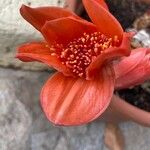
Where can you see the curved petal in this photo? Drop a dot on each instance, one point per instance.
(38, 51)
(76, 101)
(105, 22)
(137, 73)
(38, 16)
(103, 4)
(109, 54)
(126, 64)
(64, 30)
(34, 47)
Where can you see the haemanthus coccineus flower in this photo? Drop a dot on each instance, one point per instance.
(81, 52)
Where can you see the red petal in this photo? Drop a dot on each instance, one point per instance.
(34, 47)
(103, 4)
(64, 30)
(129, 63)
(76, 101)
(38, 16)
(137, 69)
(109, 54)
(37, 51)
(105, 22)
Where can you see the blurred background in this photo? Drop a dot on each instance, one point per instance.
(23, 125)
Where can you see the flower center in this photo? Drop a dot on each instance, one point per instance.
(79, 53)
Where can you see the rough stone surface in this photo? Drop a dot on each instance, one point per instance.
(20, 108)
(27, 86)
(141, 39)
(62, 144)
(88, 137)
(14, 30)
(45, 140)
(136, 137)
(15, 121)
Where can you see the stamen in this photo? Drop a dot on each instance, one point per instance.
(53, 54)
(80, 52)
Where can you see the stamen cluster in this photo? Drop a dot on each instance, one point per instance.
(79, 53)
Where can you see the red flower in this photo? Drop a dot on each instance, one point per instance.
(133, 70)
(81, 51)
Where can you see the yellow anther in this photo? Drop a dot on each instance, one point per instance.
(46, 46)
(95, 50)
(53, 54)
(79, 53)
(83, 40)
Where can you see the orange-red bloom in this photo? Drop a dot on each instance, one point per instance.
(81, 52)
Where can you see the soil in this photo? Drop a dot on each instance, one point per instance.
(138, 96)
(127, 11)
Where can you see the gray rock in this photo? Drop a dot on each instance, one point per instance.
(89, 137)
(15, 121)
(45, 140)
(26, 87)
(20, 111)
(62, 144)
(136, 136)
(142, 39)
